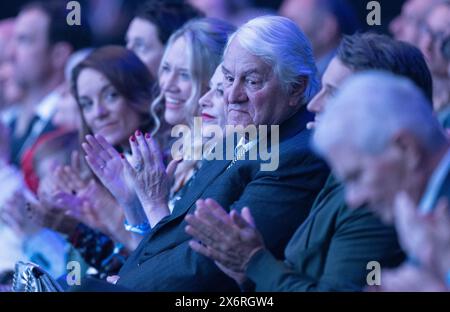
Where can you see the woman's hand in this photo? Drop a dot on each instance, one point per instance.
(69, 178)
(15, 215)
(150, 177)
(107, 165)
(101, 209)
(73, 200)
(92, 205)
(56, 209)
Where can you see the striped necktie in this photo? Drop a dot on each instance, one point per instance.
(239, 153)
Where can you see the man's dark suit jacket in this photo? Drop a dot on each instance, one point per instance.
(330, 250)
(279, 200)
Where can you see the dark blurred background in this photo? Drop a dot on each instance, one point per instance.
(116, 14)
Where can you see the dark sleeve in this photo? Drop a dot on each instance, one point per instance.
(98, 250)
(358, 239)
(178, 268)
(280, 201)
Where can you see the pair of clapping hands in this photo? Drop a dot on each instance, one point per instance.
(64, 199)
(144, 176)
(67, 197)
(230, 239)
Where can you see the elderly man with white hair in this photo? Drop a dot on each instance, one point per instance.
(332, 249)
(382, 140)
(380, 137)
(269, 76)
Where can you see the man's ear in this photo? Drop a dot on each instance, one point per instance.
(60, 53)
(298, 90)
(410, 148)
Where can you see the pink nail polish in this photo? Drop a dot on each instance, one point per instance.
(147, 135)
(133, 139)
(138, 132)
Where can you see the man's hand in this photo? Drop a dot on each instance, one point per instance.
(410, 278)
(425, 237)
(229, 239)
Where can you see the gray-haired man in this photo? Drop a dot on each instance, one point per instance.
(381, 138)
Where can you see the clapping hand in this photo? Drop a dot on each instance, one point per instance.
(409, 278)
(425, 237)
(107, 165)
(92, 205)
(151, 179)
(229, 239)
(68, 178)
(56, 209)
(15, 214)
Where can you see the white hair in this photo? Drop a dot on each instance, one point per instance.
(371, 108)
(281, 44)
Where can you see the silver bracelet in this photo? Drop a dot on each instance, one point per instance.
(140, 229)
